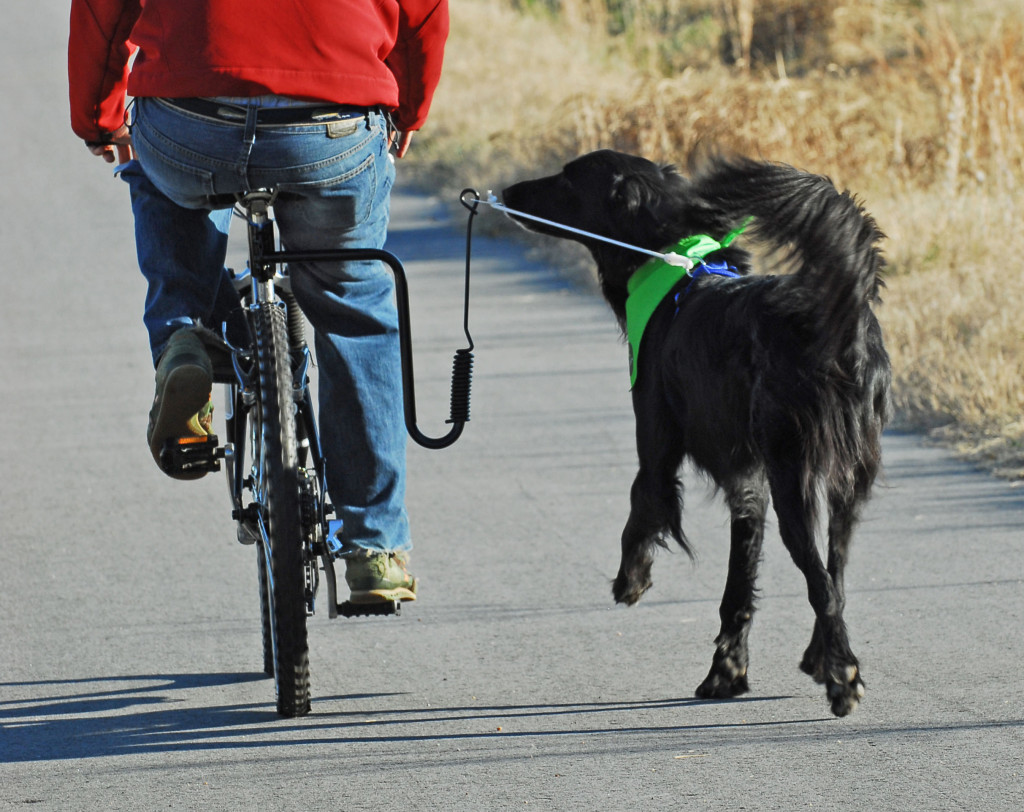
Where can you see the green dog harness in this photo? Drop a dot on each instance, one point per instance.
(653, 281)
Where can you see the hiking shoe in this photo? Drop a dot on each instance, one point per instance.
(182, 409)
(376, 577)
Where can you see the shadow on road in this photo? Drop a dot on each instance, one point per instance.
(144, 715)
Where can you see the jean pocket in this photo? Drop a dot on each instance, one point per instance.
(186, 184)
(351, 191)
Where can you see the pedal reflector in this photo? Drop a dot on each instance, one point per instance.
(190, 454)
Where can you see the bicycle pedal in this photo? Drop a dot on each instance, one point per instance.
(191, 454)
(349, 609)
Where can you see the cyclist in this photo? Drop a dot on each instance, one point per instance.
(306, 96)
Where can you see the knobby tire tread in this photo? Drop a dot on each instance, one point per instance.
(268, 639)
(283, 519)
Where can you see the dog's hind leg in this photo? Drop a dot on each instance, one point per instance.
(842, 518)
(655, 508)
(836, 665)
(748, 503)
(844, 513)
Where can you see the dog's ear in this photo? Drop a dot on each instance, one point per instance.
(645, 200)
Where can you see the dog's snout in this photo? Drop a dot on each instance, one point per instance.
(508, 195)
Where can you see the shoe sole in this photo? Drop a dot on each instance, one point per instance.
(185, 392)
(384, 595)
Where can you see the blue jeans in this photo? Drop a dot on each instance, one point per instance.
(334, 187)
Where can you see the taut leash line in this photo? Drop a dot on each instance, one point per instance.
(668, 257)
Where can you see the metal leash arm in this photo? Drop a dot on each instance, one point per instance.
(463, 365)
(668, 257)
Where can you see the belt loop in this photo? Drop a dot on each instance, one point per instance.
(251, 113)
(248, 138)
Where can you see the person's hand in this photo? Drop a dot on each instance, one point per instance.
(400, 142)
(120, 142)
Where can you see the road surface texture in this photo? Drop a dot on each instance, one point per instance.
(130, 665)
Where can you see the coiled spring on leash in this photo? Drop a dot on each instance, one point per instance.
(462, 376)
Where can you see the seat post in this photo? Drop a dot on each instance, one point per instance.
(260, 230)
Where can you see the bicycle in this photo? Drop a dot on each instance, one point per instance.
(278, 499)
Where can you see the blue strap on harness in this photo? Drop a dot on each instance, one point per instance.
(706, 268)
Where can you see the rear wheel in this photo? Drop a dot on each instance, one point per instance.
(282, 568)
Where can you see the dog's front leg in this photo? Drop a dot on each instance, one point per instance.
(748, 503)
(655, 503)
(638, 539)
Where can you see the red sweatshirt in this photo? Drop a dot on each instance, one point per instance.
(359, 52)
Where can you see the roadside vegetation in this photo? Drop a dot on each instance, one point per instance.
(917, 106)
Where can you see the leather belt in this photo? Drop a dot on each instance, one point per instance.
(312, 114)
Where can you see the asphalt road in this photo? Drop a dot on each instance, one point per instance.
(129, 647)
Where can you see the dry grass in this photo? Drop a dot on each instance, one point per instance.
(918, 106)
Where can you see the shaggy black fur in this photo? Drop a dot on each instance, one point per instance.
(771, 384)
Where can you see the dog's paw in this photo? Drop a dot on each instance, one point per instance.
(628, 590)
(845, 690)
(633, 579)
(814, 665)
(813, 662)
(725, 680)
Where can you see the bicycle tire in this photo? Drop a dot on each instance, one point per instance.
(265, 621)
(285, 589)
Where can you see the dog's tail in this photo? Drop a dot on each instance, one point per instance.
(826, 236)
(832, 246)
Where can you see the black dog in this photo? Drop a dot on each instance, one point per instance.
(770, 384)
